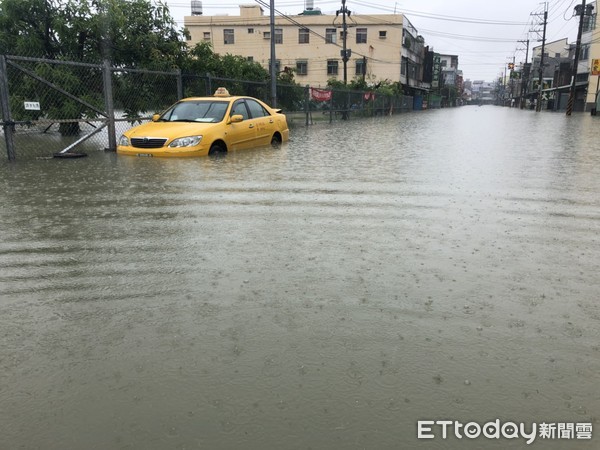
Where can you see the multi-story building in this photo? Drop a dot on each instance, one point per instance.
(482, 92)
(383, 47)
(415, 72)
(449, 65)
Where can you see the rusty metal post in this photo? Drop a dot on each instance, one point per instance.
(7, 123)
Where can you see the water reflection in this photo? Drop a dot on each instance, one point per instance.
(326, 294)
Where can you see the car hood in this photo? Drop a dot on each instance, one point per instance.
(170, 130)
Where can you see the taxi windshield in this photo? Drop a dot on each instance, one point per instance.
(207, 111)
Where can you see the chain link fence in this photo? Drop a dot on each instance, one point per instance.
(51, 107)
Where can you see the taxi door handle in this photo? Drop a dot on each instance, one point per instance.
(251, 125)
(270, 120)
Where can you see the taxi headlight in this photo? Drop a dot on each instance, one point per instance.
(190, 141)
(124, 141)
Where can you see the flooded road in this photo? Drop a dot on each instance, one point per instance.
(329, 294)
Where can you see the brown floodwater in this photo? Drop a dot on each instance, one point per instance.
(328, 294)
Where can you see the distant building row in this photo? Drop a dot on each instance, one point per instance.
(556, 71)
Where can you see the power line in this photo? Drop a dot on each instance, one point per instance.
(466, 37)
(444, 17)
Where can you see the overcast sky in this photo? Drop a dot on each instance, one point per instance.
(483, 33)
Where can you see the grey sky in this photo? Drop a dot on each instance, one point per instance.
(462, 27)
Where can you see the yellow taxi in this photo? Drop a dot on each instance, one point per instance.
(199, 126)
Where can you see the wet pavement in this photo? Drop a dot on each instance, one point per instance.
(328, 294)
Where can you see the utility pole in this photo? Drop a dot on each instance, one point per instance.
(504, 86)
(538, 107)
(345, 51)
(581, 11)
(511, 77)
(524, 75)
(272, 66)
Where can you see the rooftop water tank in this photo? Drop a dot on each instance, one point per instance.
(196, 8)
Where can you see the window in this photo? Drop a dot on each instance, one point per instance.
(444, 63)
(585, 52)
(239, 108)
(256, 109)
(382, 34)
(250, 58)
(361, 35)
(197, 111)
(207, 35)
(342, 34)
(301, 67)
(267, 35)
(250, 30)
(330, 37)
(303, 36)
(361, 67)
(589, 23)
(279, 35)
(332, 67)
(228, 36)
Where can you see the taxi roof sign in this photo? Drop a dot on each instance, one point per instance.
(222, 92)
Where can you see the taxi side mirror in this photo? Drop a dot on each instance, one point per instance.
(155, 117)
(236, 118)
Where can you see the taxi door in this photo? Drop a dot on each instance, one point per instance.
(264, 122)
(242, 134)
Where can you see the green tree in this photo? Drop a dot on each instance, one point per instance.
(290, 94)
(449, 95)
(230, 68)
(27, 27)
(129, 33)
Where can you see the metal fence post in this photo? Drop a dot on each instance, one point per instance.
(110, 110)
(331, 107)
(307, 104)
(179, 84)
(209, 84)
(7, 125)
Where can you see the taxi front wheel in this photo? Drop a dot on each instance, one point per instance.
(217, 148)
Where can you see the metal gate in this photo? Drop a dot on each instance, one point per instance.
(51, 106)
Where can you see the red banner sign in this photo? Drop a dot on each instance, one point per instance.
(320, 95)
(369, 96)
